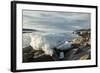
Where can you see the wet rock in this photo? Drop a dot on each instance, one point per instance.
(30, 55)
(80, 49)
(27, 49)
(70, 53)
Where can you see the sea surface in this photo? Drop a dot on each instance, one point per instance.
(49, 36)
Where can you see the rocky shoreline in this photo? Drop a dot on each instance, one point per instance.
(79, 50)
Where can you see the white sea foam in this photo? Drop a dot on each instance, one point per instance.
(48, 41)
(26, 40)
(64, 46)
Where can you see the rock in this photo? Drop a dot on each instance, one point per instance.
(84, 57)
(43, 58)
(70, 53)
(27, 49)
(61, 55)
(77, 49)
(30, 55)
(27, 54)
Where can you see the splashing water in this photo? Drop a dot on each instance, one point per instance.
(47, 41)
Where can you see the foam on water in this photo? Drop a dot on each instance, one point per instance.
(26, 40)
(47, 41)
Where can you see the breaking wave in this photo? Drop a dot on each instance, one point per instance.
(48, 41)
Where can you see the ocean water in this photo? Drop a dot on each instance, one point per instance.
(47, 40)
(48, 29)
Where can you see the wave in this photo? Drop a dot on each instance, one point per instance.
(48, 41)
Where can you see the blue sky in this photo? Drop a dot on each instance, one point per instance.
(55, 21)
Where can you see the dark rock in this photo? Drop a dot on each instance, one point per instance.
(30, 55)
(80, 50)
(27, 49)
(69, 54)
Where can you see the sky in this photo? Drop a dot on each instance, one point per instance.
(50, 21)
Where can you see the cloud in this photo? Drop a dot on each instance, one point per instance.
(55, 21)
